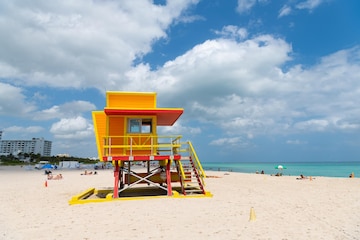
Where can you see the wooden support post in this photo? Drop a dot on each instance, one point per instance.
(116, 179)
(168, 178)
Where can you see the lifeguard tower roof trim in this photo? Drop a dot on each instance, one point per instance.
(165, 117)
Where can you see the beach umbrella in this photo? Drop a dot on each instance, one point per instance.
(280, 167)
(48, 166)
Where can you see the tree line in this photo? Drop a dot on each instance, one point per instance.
(31, 158)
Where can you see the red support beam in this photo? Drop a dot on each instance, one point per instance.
(116, 179)
(168, 178)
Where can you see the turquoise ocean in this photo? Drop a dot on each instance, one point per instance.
(325, 169)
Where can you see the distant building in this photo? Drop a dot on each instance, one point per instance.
(35, 145)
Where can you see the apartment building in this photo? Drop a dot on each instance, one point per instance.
(35, 145)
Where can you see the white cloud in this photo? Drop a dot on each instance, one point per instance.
(190, 19)
(229, 142)
(245, 5)
(309, 4)
(13, 102)
(348, 125)
(234, 32)
(217, 68)
(7, 70)
(178, 128)
(79, 44)
(292, 6)
(72, 128)
(21, 129)
(296, 142)
(69, 109)
(241, 87)
(284, 11)
(313, 125)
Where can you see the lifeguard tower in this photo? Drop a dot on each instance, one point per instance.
(126, 135)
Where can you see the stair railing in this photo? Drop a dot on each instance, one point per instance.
(196, 161)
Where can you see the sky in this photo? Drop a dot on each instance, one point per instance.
(259, 80)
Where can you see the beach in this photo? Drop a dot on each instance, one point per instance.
(283, 208)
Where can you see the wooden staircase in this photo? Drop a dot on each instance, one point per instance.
(190, 172)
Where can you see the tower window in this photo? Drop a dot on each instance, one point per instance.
(139, 125)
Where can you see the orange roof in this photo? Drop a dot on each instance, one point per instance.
(165, 117)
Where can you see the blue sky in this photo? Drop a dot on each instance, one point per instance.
(259, 80)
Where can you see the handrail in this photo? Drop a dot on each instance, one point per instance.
(197, 162)
(177, 139)
(142, 146)
(182, 172)
(152, 143)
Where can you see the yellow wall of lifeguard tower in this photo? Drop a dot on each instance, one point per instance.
(130, 100)
(99, 120)
(114, 126)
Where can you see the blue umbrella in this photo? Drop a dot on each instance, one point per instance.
(48, 166)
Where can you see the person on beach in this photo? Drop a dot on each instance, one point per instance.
(49, 176)
(57, 177)
(301, 177)
(88, 173)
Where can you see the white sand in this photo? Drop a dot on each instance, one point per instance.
(285, 208)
